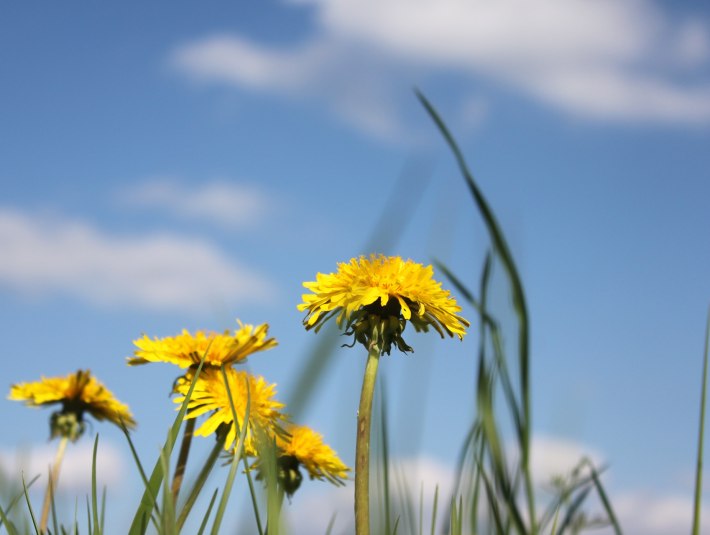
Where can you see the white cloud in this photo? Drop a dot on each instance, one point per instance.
(161, 271)
(556, 456)
(236, 60)
(330, 73)
(596, 59)
(75, 472)
(638, 512)
(643, 513)
(224, 203)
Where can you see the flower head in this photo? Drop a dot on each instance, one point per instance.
(376, 297)
(186, 350)
(78, 393)
(308, 448)
(210, 396)
(300, 447)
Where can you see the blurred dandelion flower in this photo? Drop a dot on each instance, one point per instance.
(307, 447)
(375, 297)
(186, 350)
(78, 393)
(299, 447)
(210, 395)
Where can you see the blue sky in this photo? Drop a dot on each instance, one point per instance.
(169, 166)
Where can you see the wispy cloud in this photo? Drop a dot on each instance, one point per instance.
(328, 73)
(228, 204)
(595, 59)
(161, 271)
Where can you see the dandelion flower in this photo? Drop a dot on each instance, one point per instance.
(210, 395)
(78, 393)
(307, 447)
(186, 350)
(375, 297)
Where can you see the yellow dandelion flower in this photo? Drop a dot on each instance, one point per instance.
(307, 447)
(78, 393)
(186, 350)
(210, 395)
(375, 297)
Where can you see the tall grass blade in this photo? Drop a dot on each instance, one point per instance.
(203, 525)
(29, 505)
(94, 500)
(572, 510)
(331, 524)
(14, 502)
(518, 297)
(9, 526)
(237, 450)
(167, 518)
(604, 498)
(701, 434)
(200, 481)
(433, 513)
(148, 500)
(52, 506)
(252, 494)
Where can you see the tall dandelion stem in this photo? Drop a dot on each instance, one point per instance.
(362, 446)
(182, 458)
(54, 477)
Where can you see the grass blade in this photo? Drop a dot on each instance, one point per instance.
(94, 500)
(237, 450)
(200, 481)
(29, 505)
(148, 500)
(203, 525)
(701, 433)
(518, 297)
(9, 526)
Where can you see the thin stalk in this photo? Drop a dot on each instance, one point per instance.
(182, 458)
(54, 477)
(362, 446)
(200, 481)
(701, 433)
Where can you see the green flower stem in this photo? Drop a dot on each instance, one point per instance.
(362, 447)
(201, 479)
(182, 458)
(54, 477)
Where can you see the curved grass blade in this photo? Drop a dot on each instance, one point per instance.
(518, 297)
(701, 433)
